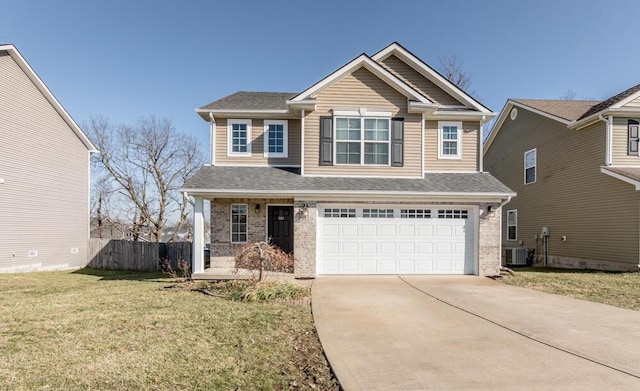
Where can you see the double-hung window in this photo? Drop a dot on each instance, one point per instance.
(449, 140)
(512, 224)
(239, 137)
(530, 162)
(634, 137)
(362, 140)
(238, 223)
(275, 138)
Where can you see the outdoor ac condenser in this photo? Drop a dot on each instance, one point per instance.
(517, 256)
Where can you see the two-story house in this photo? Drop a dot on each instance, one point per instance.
(44, 174)
(575, 166)
(375, 169)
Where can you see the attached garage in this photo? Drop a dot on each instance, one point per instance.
(396, 239)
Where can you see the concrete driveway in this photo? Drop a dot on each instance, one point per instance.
(471, 333)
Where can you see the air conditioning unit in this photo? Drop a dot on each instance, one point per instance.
(517, 256)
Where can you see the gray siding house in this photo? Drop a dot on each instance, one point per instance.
(375, 169)
(44, 174)
(576, 169)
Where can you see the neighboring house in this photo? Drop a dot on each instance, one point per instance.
(375, 169)
(44, 174)
(576, 170)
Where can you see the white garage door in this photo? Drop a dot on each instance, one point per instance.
(415, 240)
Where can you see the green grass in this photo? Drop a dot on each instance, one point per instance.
(104, 330)
(617, 289)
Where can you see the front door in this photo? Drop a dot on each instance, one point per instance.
(280, 223)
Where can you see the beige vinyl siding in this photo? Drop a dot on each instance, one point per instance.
(470, 139)
(620, 143)
(44, 198)
(598, 214)
(363, 89)
(412, 77)
(633, 103)
(257, 145)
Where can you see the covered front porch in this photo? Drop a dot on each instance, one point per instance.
(236, 221)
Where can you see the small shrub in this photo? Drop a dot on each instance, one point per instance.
(261, 257)
(272, 290)
(183, 271)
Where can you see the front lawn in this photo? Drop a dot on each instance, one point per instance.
(617, 289)
(94, 329)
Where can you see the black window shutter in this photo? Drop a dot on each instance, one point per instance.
(634, 136)
(326, 141)
(397, 142)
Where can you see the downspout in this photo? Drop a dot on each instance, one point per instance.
(609, 141)
(480, 144)
(422, 130)
(212, 139)
(302, 142)
(503, 268)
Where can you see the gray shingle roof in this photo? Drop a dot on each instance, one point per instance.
(569, 110)
(611, 101)
(271, 179)
(248, 100)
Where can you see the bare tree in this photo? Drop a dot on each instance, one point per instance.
(101, 192)
(452, 68)
(569, 95)
(146, 163)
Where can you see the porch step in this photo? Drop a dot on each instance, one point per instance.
(222, 263)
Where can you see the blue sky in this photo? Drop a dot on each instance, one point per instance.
(127, 59)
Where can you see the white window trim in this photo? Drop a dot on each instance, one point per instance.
(285, 141)
(231, 224)
(535, 166)
(362, 139)
(441, 125)
(515, 211)
(230, 152)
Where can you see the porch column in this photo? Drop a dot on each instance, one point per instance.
(198, 235)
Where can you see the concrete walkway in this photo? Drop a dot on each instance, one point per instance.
(471, 333)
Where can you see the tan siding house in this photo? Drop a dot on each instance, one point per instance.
(382, 174)
(44, 175)
(583, 189)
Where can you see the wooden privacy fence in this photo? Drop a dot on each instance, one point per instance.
(128, 255)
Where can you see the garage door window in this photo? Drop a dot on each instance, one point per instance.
(452, 214)
(339, 212)
(373, 213)
(415, 213)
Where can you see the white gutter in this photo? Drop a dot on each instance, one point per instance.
(302, 142)
(609, 139)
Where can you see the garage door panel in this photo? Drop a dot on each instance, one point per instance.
(407, 231)
(368, 248)
(350, 230)
(413, 243)
(369, 266)
(387, 248)
(368, 230)
(388, 230)
(407, 248)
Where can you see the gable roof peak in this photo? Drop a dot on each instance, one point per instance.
(430, 73)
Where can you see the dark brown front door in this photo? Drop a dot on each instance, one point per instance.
(280, 229)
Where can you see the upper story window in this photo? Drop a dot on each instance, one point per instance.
(449, 140)
(634, 136)
(239, 137)
(276, 138)
(530, 162)
(362, 140)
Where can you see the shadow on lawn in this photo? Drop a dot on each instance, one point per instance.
(130, 275)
